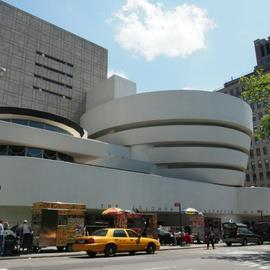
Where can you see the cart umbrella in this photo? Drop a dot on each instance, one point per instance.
(112, 211)
(190, 211)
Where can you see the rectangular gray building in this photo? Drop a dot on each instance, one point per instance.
(45, 67)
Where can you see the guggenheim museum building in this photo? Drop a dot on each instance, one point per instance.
(68, 133)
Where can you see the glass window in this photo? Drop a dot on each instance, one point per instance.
(261, 175)
(3, 150)
(268, 175)
(34, 152)
(20, 121)
(50, 127)
(16, 150)
(247, 178)
(251, 153)
(259, 164)
(119, 233)
(49, 154)
(265, 150)
(132, 234)
(254, 177)
(100, 233)
(258, 151)
(36, 124)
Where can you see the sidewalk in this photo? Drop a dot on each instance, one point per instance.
(52, 252)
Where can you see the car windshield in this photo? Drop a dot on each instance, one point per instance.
(100, 233)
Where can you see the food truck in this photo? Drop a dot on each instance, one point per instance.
(57, 224)
(144, 224)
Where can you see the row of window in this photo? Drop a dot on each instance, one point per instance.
(259, 165)
(264, 52)
(36, 124)
(253, 177)
(54, 58)
(54, 70)
(14, 150)
(258, 152)
(51, 92)
(52, 81)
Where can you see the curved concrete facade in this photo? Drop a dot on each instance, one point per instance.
(179, 131)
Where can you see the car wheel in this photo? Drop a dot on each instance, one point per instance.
(151, 248)
(244, 243)
(228, 244)
(110, 250)
(69, 248)
(132, 252)
(60, 248)
(91, 254)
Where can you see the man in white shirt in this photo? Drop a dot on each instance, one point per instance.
(1, 237)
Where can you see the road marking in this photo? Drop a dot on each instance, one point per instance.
(264, 267)
(160, 268)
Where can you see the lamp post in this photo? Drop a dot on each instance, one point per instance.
(178, 204)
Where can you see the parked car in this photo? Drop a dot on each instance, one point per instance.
(165, 237)
(262, 229)
(11, 246)
(239, 233)
(113, 240)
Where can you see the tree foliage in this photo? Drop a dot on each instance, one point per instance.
(256, 89)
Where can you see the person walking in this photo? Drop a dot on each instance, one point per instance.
(26, 236)
(2, 231)
(210, 237)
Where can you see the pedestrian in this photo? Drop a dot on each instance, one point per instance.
(210, 237)
(1, 237)
(26, 236)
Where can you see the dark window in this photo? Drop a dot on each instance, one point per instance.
(253, 165)
(3, 150)
(254, 177)
(251, 153)
(16, 150)
(247, 178)
(268, 175)
(261, 175)
(100, 233)
(36, 124)
(265, 150)
(119, 233)
(132, 234)
(20, 121)
(254, 118)
(34, 152)
(262, 51)
(49, 154)
(258, 151)
(259, 164)
(267, 48)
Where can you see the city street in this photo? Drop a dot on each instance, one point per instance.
(225, 258)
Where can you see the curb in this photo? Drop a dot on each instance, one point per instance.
(80, 253)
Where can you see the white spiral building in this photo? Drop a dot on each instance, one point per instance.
(196, 135)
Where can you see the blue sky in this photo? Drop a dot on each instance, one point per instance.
(170, 44)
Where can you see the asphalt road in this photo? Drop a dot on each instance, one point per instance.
(221, 258)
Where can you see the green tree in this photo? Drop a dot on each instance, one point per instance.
(256, 89)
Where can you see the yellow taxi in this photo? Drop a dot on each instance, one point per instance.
(113, 240)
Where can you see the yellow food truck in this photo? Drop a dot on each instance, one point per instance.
(57, 224)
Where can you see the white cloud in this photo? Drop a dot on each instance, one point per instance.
(112, 72)
(152, 30)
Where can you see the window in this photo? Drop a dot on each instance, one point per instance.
(265, 150)
(49, 154)
(258, 151)
(268, 175)
(254, 177)
(119, 233)
(3, 150)
(254, 118)
(132, 234)
(247, 178)
(253, 165)
(16, 151)
(266, 163)
(261, 176)
(100, 233)
(259, 164)
(251, 153)
(34, 152)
